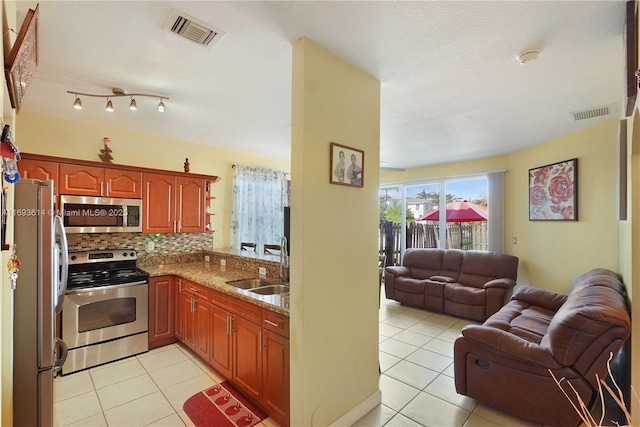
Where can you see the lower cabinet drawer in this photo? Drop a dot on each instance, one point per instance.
(275, 322)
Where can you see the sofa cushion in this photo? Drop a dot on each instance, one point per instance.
(410, 285)
(451, 263)
(480, 267)
(462, 294)
(523, 320)
(423, 263)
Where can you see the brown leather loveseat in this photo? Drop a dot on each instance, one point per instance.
(505, 362)
(469, 284)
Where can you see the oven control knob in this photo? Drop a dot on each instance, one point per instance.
(73, 257)
(132, 254)
(124, 254)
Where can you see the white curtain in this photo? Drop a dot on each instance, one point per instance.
(257, 213)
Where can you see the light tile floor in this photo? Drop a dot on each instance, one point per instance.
(145, 390)
(417, 385)
(416, 359)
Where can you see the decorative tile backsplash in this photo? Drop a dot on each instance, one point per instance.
(170, 249)
(164, 244)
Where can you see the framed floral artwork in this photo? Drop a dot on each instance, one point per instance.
(553, 192)
(347, 166)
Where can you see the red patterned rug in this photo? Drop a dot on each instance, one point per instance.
(221, 406)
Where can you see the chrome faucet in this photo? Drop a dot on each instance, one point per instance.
(284, 262)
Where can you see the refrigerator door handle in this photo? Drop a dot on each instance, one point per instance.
(61, 264)
(64, 351)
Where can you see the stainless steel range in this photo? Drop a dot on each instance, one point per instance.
(105, 310)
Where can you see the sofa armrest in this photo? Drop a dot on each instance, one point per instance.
(506, 344)
(539, 297)
(398, 270)
(500, 283)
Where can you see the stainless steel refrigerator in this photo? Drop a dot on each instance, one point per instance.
(40, 287)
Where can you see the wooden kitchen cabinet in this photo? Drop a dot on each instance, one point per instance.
(122, 183)
(161, 311)
(247, 357)
(159, 201)
(196, 318)
(275, 376)
(172, 204)
(190, 205)
(221, 342)
(85, 180)
(39, 169)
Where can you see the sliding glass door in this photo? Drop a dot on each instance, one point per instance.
(410, 215)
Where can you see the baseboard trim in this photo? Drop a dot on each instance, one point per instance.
(359, 411)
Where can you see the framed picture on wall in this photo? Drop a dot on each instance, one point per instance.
(347, 166)
(553, 192)
(22, 61)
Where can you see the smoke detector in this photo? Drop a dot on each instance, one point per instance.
(192, 29)
(528, 56)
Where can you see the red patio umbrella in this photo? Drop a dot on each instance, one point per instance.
(459, 211)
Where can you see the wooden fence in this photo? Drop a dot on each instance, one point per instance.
(460, 235)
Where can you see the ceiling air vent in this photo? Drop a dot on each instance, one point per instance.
(194, 30)
(592, 113)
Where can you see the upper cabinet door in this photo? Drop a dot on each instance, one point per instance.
(39, 169)
(190, 205)
(81, 180)
(159, 203)
(122, 183)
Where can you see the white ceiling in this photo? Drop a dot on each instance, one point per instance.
(452, 88)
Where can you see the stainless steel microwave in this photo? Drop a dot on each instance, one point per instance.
(84, 214)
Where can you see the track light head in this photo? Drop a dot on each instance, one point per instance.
(77, 104)
(133, 106)
(109, 105)
(161, 106)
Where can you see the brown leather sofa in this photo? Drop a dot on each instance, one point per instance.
(505, 362)
(469, 284)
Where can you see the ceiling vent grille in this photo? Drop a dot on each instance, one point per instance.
(191, 29)
(592, 113)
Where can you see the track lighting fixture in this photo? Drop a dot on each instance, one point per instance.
(116, 93)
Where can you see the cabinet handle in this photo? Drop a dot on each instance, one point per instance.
(230, 325)
(260, 341)
(193, 289)
(174, 226)
(101, 188)
(269, 322)
(180, 205)
(108, 191)
(180, 285)
(193, 310)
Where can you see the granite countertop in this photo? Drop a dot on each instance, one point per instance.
(215, 276)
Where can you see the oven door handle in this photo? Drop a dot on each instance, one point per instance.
(102, 288)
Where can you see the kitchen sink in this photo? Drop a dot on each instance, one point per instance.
(249, 283)
(270, 290)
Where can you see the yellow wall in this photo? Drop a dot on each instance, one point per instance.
(54, 136)
(553, 253)
(334, 305)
